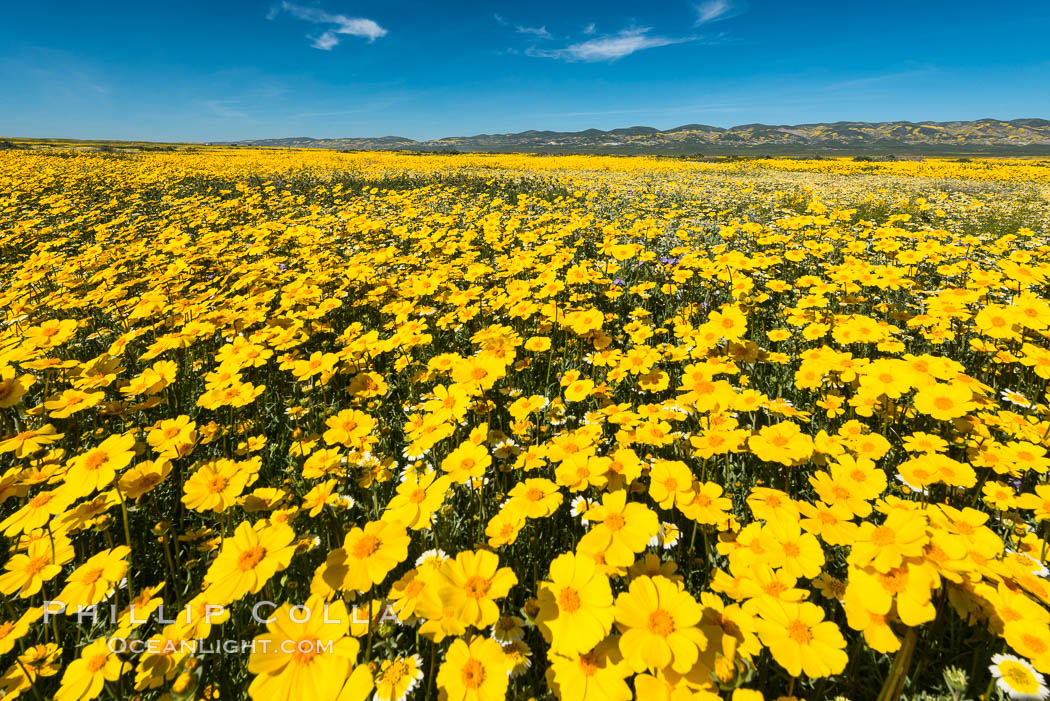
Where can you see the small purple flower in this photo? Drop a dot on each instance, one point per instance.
(618, 282)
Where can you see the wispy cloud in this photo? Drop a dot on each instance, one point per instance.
(590, 29)
(538, 32)
(341, 24)
(609, 48)
(714, 10)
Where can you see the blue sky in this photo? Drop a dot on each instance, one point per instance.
(223, 70)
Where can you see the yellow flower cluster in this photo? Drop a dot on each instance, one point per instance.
(489, 426)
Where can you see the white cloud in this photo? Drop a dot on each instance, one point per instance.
(589, 29)
(538, 32)
(343, 25)
(609, 48)
(714, 10)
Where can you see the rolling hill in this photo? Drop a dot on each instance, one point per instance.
(983, 136)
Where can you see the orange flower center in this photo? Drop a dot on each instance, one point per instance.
(395, 673)
(418, 496)
(614, 522)
(305, 650)
(364, 547)
(477, 587)
(473, 674)
(895, 582)
(92, 576)
(799, 632)
(792, 550)
(37, 565)
(534, 494)
(773, 587)
(217, 484)
(943, 403)
(41, 500)
(149, 480)
(96, 663)
(661, 623)
(589, 664)
(414, 588)
(95, 460)
(883, 536)
(250, 558)
(569, 600)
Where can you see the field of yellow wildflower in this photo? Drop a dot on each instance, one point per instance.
(318, 425)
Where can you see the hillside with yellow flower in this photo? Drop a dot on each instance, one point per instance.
(315, 425)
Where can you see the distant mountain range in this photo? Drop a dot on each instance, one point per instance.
(991, 136)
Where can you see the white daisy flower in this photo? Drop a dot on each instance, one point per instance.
(668, 535)
(431, 554)
(917, 490)
(1037, 567)
(396, 679)
(579, 508)
(1017, 678)
(508, 629)
(1016, 398)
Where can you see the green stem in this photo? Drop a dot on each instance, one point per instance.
(894, 684)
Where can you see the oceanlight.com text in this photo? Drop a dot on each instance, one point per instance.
(199, 646)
